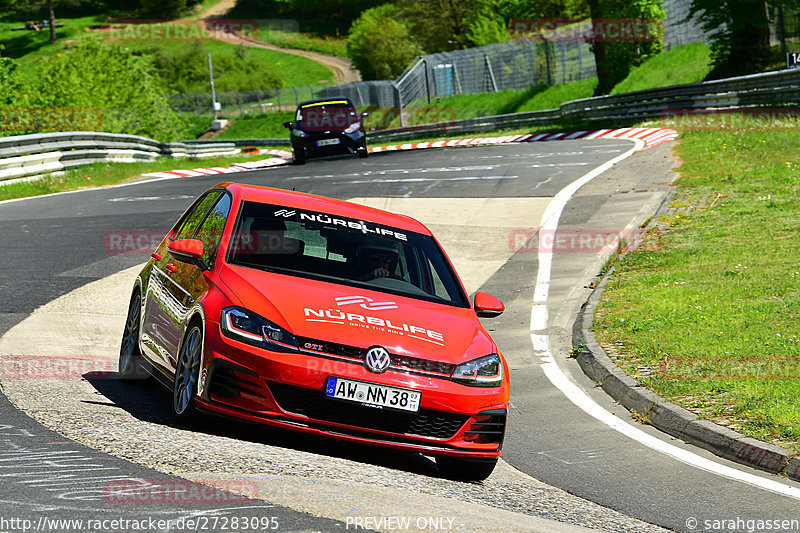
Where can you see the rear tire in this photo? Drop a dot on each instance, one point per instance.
(130, 355)
(363, 154)
(187, 374)
(464, 469)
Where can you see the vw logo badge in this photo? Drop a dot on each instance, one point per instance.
(377, 360)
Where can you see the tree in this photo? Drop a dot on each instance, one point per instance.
(163, 8)
(739, 34)
(551, 9)
(616, 56)
(454, 24)
(51, 20)
(380, 44)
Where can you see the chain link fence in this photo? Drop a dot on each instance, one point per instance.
(511, 65)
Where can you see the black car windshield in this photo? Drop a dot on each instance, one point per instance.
(343, 250)
(334, 116)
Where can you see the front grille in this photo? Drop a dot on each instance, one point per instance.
(313, 404)
(402, 362)
(425, 365)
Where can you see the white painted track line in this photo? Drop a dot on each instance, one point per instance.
(576, 395)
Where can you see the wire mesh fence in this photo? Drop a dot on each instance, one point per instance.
(511, 65)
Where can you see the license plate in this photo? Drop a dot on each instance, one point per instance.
(327, 142)
(372, 394)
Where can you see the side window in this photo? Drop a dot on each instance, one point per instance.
(210, 231)
(195, 217)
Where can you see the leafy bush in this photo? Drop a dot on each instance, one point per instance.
(185, 69)
(103, 80)
(9, 81)
(380, 45)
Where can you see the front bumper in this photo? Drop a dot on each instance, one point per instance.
(349, 143)
(287, 390)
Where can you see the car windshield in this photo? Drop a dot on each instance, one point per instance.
(336, 116)
(342, 250)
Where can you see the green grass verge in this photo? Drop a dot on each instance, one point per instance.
(102, 174)
(262, 126)
(291, 69)
(334, 46)
(687, 63)
(707, 311)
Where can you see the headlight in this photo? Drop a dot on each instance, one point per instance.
(485, 371)
(298, 133)
(354, 127)
(246, 326)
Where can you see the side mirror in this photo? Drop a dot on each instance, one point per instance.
(287, 125)
(487, 306)
(188, 251)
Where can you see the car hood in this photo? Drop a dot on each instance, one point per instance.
(360, 317)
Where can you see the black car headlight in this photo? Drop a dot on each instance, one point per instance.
(246, 326)
(299, 133)
(485, 371)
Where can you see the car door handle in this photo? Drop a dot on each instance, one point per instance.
(156, 256)
(171, 268)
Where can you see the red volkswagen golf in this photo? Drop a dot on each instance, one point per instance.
(320, 316)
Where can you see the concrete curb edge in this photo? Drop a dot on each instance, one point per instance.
(666, 416)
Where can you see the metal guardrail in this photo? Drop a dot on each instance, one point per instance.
(23, 156)
(780, 89)
(26, 155)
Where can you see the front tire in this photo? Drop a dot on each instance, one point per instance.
(130, 355)
(464, 469)
(187, 373)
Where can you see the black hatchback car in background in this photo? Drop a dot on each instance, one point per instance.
(327, 126)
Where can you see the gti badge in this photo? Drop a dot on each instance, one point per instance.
(377, 360)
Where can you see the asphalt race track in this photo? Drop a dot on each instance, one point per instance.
(59, 297)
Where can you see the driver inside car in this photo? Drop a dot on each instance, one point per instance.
(377, 260)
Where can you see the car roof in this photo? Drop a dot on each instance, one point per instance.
(322, 101)
(330, 206)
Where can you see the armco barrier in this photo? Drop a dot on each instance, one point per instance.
(780, 89)
(23, 156)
